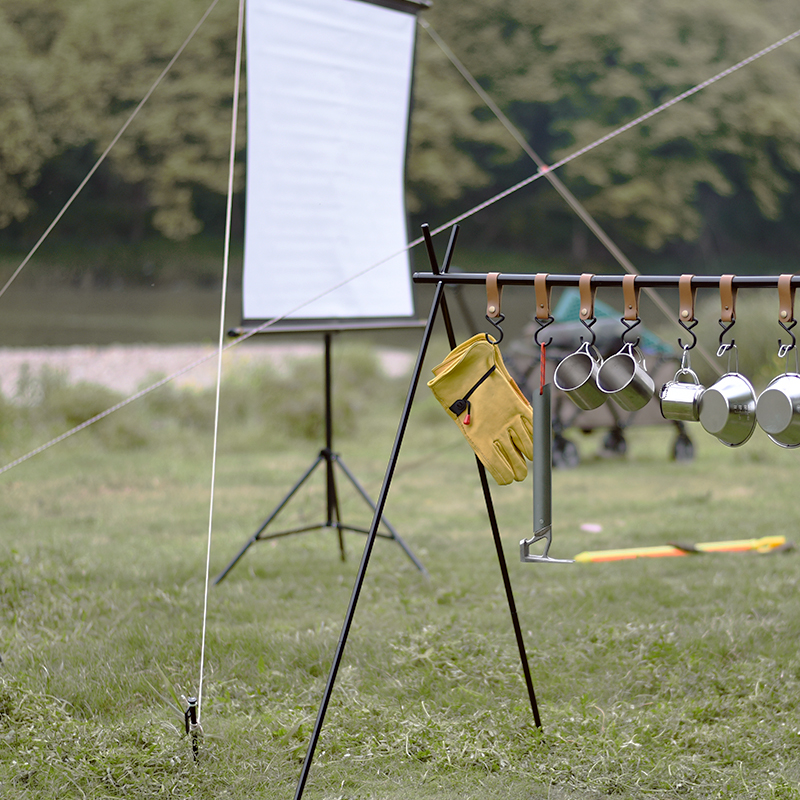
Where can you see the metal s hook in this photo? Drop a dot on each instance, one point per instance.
(630, 318)
(723, 346)
(542, 325)
(588, 325)
(496, 326)
(629, 326)
(686, 319)
(786, 298)
(727, 296)
(494, 296)
(587, 293)
(543, 315)
(783, 349)
(688, 329)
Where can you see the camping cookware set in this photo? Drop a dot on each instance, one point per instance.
(729, 409)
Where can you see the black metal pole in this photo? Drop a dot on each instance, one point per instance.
(641, 281)
(332, 499)
(373, 532)
(487, 496)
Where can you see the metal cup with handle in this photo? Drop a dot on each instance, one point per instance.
(576, 376)
(728, 407)
(624, 378)
(680, 399)
(778, 410)
(778, 406)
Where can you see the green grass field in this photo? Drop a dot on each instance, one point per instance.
(655, 678)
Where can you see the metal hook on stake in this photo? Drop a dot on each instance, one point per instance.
(527, 557)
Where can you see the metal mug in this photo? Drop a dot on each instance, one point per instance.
(728, 409)
(778, 410)
(624, 377)
(576, 376)
(680, 400)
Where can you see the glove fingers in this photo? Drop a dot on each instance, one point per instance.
(499, 470)
(522, 437)
(511, 460)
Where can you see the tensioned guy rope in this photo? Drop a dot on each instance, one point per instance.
(221, 349)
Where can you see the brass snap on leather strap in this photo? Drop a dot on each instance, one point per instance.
(543, 292)
(630, 295)
(786, 299)
(727, 296)
(494, 295)
(687, 295)
(587, 296)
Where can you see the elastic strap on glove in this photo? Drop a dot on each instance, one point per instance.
(463, 404)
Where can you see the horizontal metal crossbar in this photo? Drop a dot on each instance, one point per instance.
(641, 281)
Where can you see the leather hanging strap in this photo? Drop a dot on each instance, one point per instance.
(494, 294)
(542, 291)
(786, 299)
(727, 296)
(687, 295)
(630, 295)
(587, 296)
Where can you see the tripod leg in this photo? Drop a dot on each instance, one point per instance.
(512, 606)
(277, 510)
(395, 535)
(373, 531)
(487, 495)
(334, 517)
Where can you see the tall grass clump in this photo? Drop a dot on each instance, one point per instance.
(260, 406)
(289, 403)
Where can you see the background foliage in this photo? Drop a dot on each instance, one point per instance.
(709, 177)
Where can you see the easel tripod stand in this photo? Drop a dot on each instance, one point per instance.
(333, 520)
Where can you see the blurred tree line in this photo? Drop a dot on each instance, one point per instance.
(716, 175)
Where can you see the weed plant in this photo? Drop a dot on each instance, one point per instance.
(659, 678)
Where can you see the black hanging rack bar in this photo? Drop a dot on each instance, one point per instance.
(611, 281)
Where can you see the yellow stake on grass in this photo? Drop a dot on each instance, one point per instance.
(762, 545)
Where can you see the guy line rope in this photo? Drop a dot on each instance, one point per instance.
(220, 349)
(542, 171)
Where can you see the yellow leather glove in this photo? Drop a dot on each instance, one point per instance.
(477, 391)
